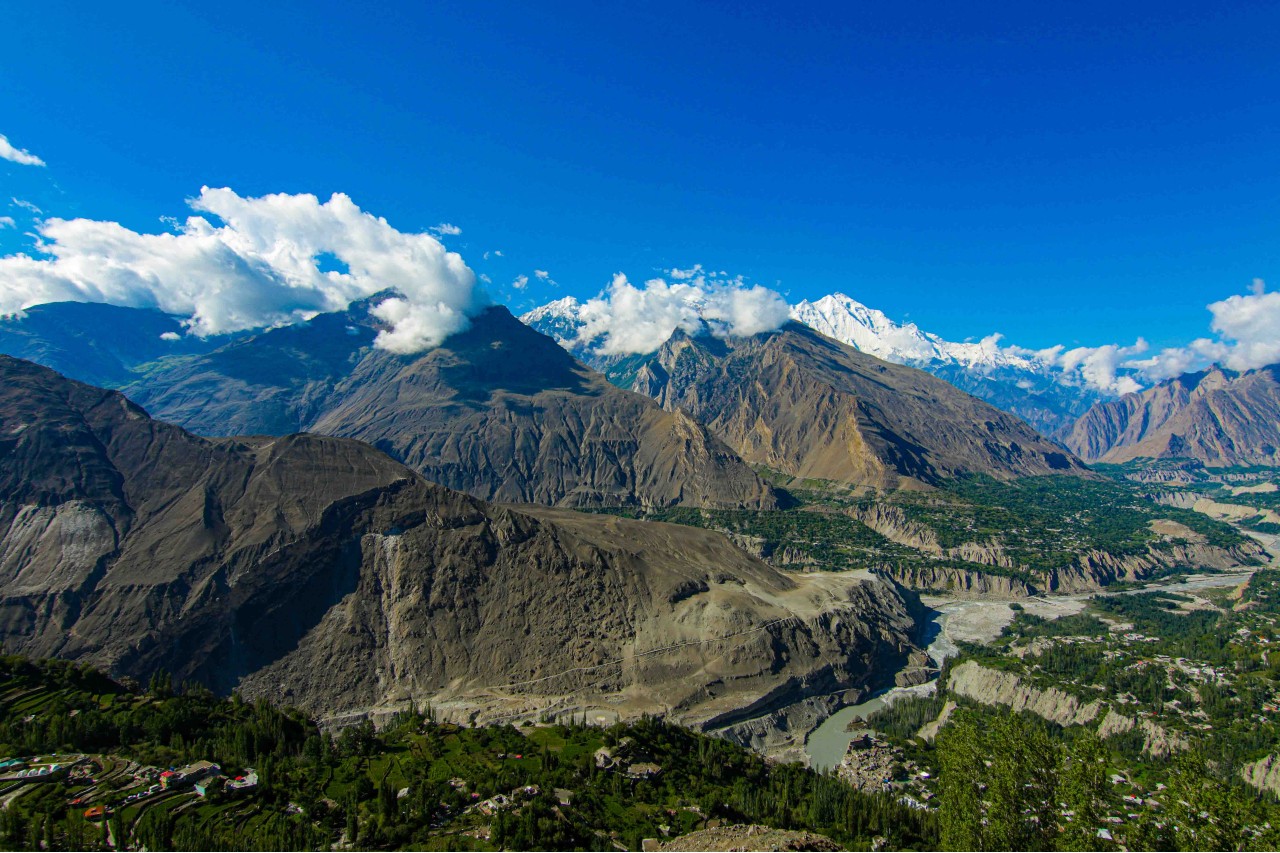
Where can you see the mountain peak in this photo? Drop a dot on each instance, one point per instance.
(1216, 416)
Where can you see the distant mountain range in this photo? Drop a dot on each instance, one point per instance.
(503, 412)
(98, 343)
(499, 411)
(1024, 384)
(1217, 417)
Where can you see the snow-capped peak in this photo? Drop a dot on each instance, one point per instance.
(871, 331)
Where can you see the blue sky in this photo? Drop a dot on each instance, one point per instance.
(1075, 173)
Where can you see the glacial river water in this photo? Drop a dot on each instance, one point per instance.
(973, 621)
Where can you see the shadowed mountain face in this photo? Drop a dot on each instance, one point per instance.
(97, 343)
(319, 571)
(1218, 417)
(499, 411)
(809, 406)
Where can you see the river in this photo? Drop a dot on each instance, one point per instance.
(968, 620)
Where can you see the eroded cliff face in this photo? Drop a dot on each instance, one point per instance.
(1092, 570)
(961, 583)
(996, 687)
(319, 572)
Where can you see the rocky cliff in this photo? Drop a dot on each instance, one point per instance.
(1091, 570)
(1263, 774)
(996, 687)
(1218, 417)
(320, 572)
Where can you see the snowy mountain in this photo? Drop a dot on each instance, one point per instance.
(1019, 381)
(871, 331)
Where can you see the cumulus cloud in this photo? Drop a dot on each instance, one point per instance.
(627, 319)
(1100, 366)
(1108, 368)
(1248, 336)
(445, 229)
(520, 282)
(250, 263)
(7, 222)
(17, 155)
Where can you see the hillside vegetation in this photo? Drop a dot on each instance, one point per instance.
(415, 783)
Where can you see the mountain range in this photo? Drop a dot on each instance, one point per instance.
(1018, 381)
(805, 405)
(503, 412)
(1217, 417)
(320, 572)
(499, 412)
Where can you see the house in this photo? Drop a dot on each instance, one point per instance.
(644, 770)
(209, 785)
(188, 775)
(242, 784)
(199, 770)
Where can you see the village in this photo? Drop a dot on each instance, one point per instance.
(102, 787)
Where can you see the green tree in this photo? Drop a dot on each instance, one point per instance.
(1083, 788)
(961, 771)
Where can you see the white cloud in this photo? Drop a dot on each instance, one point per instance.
(627, 319)
(7, 222)
(1099, 366)
(26, 205)
(520, 282)
(1248, 336)
(257, 268)
(445, 229)
(170, 336)
(495, 253)
(17, 155)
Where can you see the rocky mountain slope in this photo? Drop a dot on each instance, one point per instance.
(1217, 417)
(806, 405)
(319, 571)
(499, 411)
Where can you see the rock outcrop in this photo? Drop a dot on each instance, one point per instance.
(996, 687)
(961, 583)
(1263, 774)
(1218, 417)
(1157, 742)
